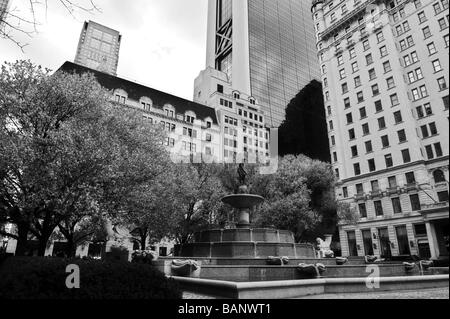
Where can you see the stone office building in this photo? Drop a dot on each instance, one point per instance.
(385, 73)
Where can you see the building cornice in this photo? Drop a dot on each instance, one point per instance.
(400, 167)
(348, 19)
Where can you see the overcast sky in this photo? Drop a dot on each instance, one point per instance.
(163, 41)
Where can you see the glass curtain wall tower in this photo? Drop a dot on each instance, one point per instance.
(266, 48)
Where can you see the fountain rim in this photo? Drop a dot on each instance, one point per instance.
(256, 198)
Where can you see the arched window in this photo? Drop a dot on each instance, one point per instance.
(169, 111)
(120, 96)
(146, 103)
(438, 176)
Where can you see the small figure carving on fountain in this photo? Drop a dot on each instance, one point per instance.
(243, 189)
(324, 247)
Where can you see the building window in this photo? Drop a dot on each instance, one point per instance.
(410, 178)
(375, 90)
(351, 134)
(344, 88)
(363, 113)
(372, 74)
(388, 160)
(369, 148)
(438, 176)
(340, 59)
(398, 117)
(445, 100)
(387, 67)
(362, 210)
(394, 100)
(381, 123)
(385, 141)
(442, 196)
(372, 166)
(383, 51)
(438, 149)
(354, 150)
(401, 136)
(369, 59)
(360, 97)
(352, 53)
(396, 205)
(380, 36)
(429, 151)
(406, 156)
(357, 169)
(357, 81)
(426, 32)
(355, 67)
(442, 84)
(345, 192)
(359, 189)
(342, 74)
(366, 45)
(378, 208)
(349, 118)
(347, 103)
(378, 106)
(422, 17)
(390, 83)
(437, 65)
(431, 48)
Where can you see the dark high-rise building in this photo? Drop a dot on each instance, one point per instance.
(266, 47)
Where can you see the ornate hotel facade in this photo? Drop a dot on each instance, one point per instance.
(385, 74)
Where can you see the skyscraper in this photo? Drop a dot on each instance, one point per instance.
(385, 72)
(98, 48)
(266, 47)
(4, 6)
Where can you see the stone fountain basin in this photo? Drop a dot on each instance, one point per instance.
(243, 201)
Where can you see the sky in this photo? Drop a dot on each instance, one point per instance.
(163, 41)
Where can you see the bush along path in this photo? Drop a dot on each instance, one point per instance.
(45, 278)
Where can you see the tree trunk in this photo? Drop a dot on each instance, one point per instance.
(71, 248)
(43, 240)
(143, 239)
(22, 241)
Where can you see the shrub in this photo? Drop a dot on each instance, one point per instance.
(45, 278)
(143, 256)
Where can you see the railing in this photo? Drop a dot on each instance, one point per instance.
(435, 205)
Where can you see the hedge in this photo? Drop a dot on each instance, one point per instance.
(45, 278)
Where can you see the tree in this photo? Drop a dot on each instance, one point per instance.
(299, 197)
(14, 22)
(66, 152)
(197, 194)
(287, 199)
(304, 130)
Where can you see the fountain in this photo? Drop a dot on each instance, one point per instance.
(251, 262)
(244, 241)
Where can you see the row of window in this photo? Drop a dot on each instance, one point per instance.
(410, 178)
(251, 116)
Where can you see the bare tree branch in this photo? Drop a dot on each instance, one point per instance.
(16, 22)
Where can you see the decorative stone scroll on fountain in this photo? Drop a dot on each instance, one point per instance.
(277, 261)
(184, 268)
(312, 270)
